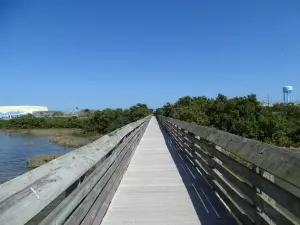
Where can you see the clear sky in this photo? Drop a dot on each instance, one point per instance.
(98, 54)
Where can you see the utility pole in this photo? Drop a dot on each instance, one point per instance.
(267, 100)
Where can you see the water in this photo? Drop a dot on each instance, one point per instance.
(15, 150)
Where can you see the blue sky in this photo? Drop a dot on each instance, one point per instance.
(98, 54)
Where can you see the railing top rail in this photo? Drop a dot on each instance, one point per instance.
(282, 163)
(34, 190)
(257, 181)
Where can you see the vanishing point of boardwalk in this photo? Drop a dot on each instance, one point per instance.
(159, 187)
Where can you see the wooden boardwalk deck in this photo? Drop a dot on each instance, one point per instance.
(159, 187)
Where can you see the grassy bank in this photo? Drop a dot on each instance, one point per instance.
(38, 160)
(63, 137)
(67, 137)
(44, 132)
(74, 141)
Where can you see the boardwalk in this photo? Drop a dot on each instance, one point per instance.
(159, 187)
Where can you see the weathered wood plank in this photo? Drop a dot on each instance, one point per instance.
(282, 196)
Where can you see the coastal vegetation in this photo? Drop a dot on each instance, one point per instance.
(100, 121)
(75, 131)
(72, 131)
(245, 116)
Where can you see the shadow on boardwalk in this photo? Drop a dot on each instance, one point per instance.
(209, 208)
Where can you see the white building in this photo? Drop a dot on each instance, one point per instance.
(22, 110)
(266, 104)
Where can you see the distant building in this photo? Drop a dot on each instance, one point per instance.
(52, 114)
(47, 114)
(22, 109)
(9, 112)
(9, 115)
(266, 104)
(70, 113)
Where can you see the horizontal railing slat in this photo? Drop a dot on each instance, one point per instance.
(265, 156)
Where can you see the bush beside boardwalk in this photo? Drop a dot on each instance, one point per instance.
(244, 116)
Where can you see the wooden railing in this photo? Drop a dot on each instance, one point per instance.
(258, 183)
(75, 188)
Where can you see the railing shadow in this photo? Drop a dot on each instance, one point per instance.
(209, 208)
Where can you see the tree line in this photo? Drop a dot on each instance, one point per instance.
(100, 121)
(245, 116)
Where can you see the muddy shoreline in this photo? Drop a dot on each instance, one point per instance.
(63, 137)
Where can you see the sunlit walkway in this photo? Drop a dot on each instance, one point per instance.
(159, 187)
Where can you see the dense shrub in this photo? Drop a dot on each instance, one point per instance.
(244, 116)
